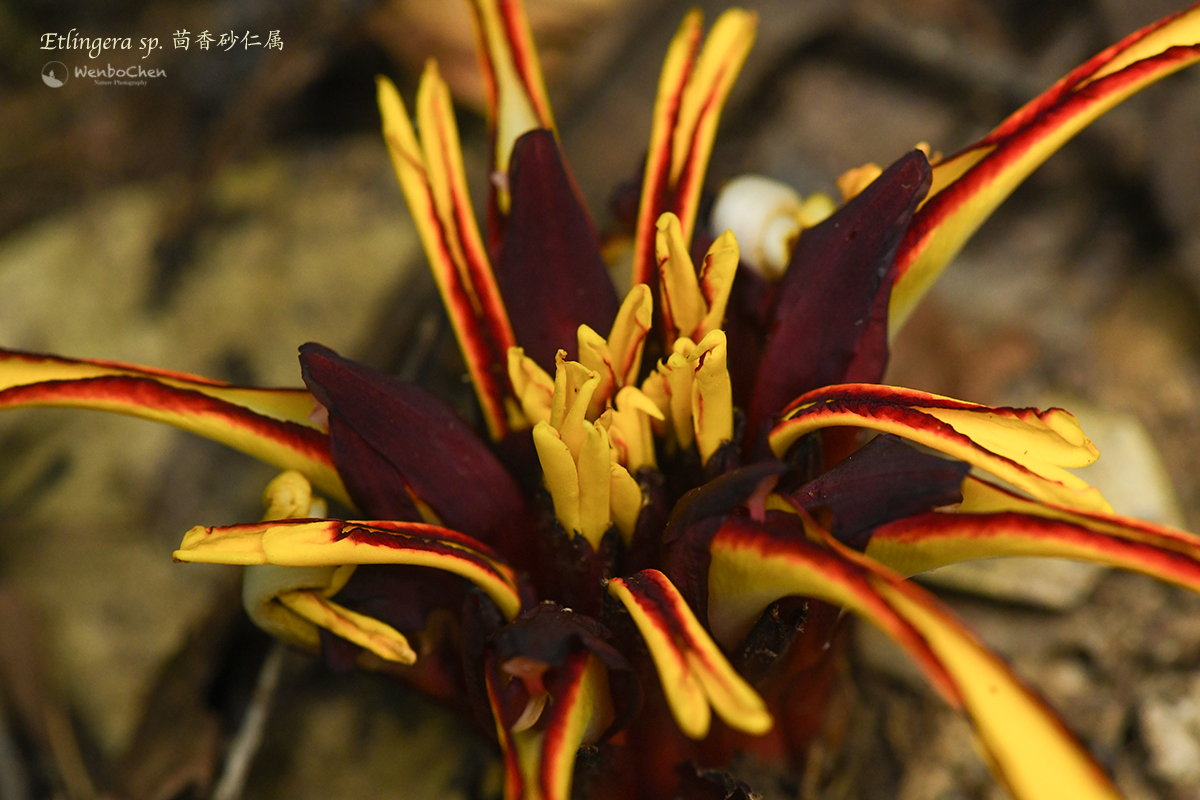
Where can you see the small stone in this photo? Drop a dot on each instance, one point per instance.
(1169, 721)
(1130, 472)
(1050, 583)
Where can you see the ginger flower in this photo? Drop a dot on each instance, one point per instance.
(624, 556)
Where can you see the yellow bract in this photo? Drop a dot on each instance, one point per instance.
(1025, 448)
(519, 102)
(694, 395)
(692, 305)
(617, 359)
(695, 675)
(289, 405)
(991, 522)
(591, 491)
(1029, 749)
(1031, 752)
(367, 632)
(430, 171)
(540, 760)
(1025, 141)
(290, 496)
(229, 421)
(534, 389)
(615, 363)
(293, 602)
(1042, 443)
(630, 431)
(692, 90)
(712, 395)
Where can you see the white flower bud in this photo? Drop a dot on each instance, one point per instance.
(766, 218)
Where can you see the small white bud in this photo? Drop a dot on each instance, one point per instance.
(766, 218)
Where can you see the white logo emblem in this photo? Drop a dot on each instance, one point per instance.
(54, 74)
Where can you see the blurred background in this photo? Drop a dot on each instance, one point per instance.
(215, 218)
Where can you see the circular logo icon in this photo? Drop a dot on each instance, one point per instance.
(54, 74)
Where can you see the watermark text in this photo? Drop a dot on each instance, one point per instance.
(96, 46)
